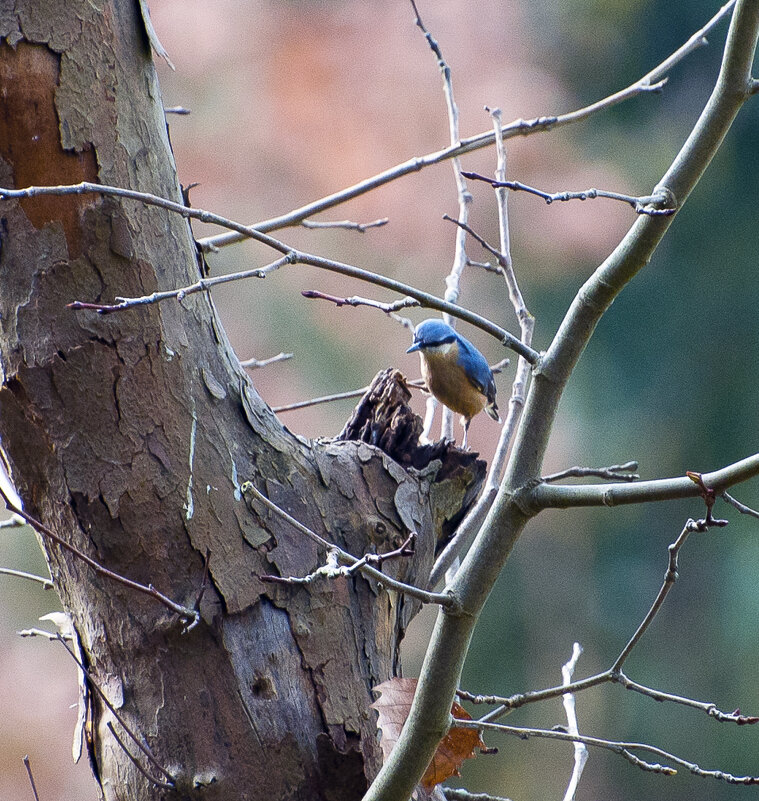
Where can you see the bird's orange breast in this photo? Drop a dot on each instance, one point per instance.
(448, 382)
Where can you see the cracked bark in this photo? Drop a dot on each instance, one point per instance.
(130, 435)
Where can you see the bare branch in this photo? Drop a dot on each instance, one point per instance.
(14, 521)
(624, 749)
(648, 204)
(133, 759)
(28, 767)
(442, 599)
(203, 285)
(104, 698)
(568, 699)
(653, 81)
(254, 364)
(455, 794)
(291, 257)
(742, 508)
(670, 577)
(46, 583)
(614, 673)
(705, 706)
(415, 383)
(546, 496)
(615, 471)
(473, 520)
(388, 308)
(453, 280)
(347, 224)
(190, 617)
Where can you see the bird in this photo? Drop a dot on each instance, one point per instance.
(455, 372)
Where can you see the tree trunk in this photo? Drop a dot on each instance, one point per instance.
(130, 435)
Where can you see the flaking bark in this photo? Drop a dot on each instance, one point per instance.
(131, 434)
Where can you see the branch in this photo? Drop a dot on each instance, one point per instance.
(429, 717)
(61, 638)
(652, 81)
(162, 784)
(28, 767)
(544, 496)
(622, 748)
(456, 794)
(388, 308)
(254, 364)
(46, 583)
(291, 256)
(619, 471)
(414, 383)
(190, 617)
(468, 527)
(347, 224)
(648, 204)
(362, 565)
(453, 280)
(581, 752)
(741, 507)
(614, 673)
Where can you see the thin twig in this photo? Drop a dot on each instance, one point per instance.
(291, 256)
(46, 583)
(104, 698)
(254, 364)
(189, 616)
(705, 706)
(14, 521)
(133, 759)
(347, 224)
(648, 204)
(468, 528)
(442, 599)
(742, 508)
(562, 496)
(670, 577)
(331, 569)
(453, 279)
(568, 699)
(415, 383)
(355, 300)
(614, 673)
(203, 285)
(652, 82)
(28, 766)
(456, 794)
(622, 748)
(621, 472)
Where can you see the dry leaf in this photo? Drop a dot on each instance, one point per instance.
(393, 707)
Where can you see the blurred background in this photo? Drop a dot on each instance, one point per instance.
(294, 100)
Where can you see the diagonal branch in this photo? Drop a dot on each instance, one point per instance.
(190, 617)
(291, 256)
(562, 496)
(652, 81)
(429, 718)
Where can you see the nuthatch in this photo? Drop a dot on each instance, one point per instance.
(455, 372)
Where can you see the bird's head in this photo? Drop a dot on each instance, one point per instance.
(433, 334)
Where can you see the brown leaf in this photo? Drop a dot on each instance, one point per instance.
(393, 707)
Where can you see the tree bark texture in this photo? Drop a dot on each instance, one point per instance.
(131, 434)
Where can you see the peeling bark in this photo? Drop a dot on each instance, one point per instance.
(130, 435)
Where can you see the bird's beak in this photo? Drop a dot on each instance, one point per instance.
(416, 346)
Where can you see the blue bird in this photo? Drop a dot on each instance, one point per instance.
(455, 372)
